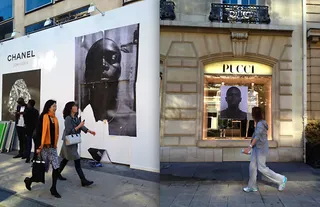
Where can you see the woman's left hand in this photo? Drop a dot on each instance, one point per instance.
(92, 132)
(247, 150)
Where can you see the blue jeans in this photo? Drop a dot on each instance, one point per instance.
(258, 162)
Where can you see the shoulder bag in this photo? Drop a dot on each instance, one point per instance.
(73, 139)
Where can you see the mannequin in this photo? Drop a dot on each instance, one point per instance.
(253, 100)
(219, 91)
(218, 97)
(222, 124)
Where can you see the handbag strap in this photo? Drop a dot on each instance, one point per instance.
(75, 124)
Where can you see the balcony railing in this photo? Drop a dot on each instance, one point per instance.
(232, 13)
(167, 10)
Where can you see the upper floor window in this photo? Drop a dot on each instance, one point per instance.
(60, 19)
(36, 27)
(31, 5)
(6, 30)
(5, 10)
(242, 2)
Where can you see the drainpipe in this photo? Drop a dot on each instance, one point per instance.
(304, 75)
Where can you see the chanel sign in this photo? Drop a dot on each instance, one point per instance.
(21, 55)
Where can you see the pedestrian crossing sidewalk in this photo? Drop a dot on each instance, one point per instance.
(108, 189)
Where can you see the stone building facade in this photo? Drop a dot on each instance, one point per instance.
(313, 54)
(28, 16)
(197, 53)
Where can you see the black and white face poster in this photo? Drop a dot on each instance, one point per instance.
(106, 70)
(234, 102)
(24, 85)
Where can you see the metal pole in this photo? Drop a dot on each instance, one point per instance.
(304, 75)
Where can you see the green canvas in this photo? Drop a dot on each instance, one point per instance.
(3, 127)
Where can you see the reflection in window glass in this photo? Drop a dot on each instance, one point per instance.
(72, 15)
(34, 4)
(243, 2)
(6, 30)
(253, 2)
(230, 1)
(228, 102)
(36, 27)
(5, 10)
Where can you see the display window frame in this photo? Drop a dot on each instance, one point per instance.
(271, 96)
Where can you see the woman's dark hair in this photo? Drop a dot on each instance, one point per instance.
(47, 106)
(67, 108)
(257, 114)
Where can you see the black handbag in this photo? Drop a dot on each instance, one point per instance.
(38, 170)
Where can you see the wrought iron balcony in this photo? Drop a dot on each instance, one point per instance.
(167, 10)
(233, 13)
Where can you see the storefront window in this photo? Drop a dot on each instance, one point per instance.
(229, 99)
(6, 10)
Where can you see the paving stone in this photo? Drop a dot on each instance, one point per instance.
(183, 199)
(303, 187)
(198, 203)
(218, 204)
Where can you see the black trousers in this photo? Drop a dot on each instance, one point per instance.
(21, 131)
(29, 138)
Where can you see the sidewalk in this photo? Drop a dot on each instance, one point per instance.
(220, 184)
(109, 189)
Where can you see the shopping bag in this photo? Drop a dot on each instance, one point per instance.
(38, 170)
(100, 155)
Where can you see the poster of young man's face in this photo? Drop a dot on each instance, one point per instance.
(24, 85)
(234, 102)
(106, 71)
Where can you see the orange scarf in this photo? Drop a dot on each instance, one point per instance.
(45, 138)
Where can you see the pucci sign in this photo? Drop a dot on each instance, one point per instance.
(238, 68)
(21, 56)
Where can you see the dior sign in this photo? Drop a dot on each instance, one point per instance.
(241, 69)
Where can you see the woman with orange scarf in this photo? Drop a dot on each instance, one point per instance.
(48, 146)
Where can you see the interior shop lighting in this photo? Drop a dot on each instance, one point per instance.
(92, 8)
(14, 33)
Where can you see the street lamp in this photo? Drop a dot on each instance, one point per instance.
(14, 33)
(47, 22)
(92, 8)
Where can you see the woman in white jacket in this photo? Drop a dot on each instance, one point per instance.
(259, 152)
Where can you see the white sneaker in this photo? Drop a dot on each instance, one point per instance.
(282, 186)
(248, 190)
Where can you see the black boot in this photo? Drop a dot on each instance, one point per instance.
(17, 156)
(84, 181)
(53, 189)
(62, 165)
(28, 183)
